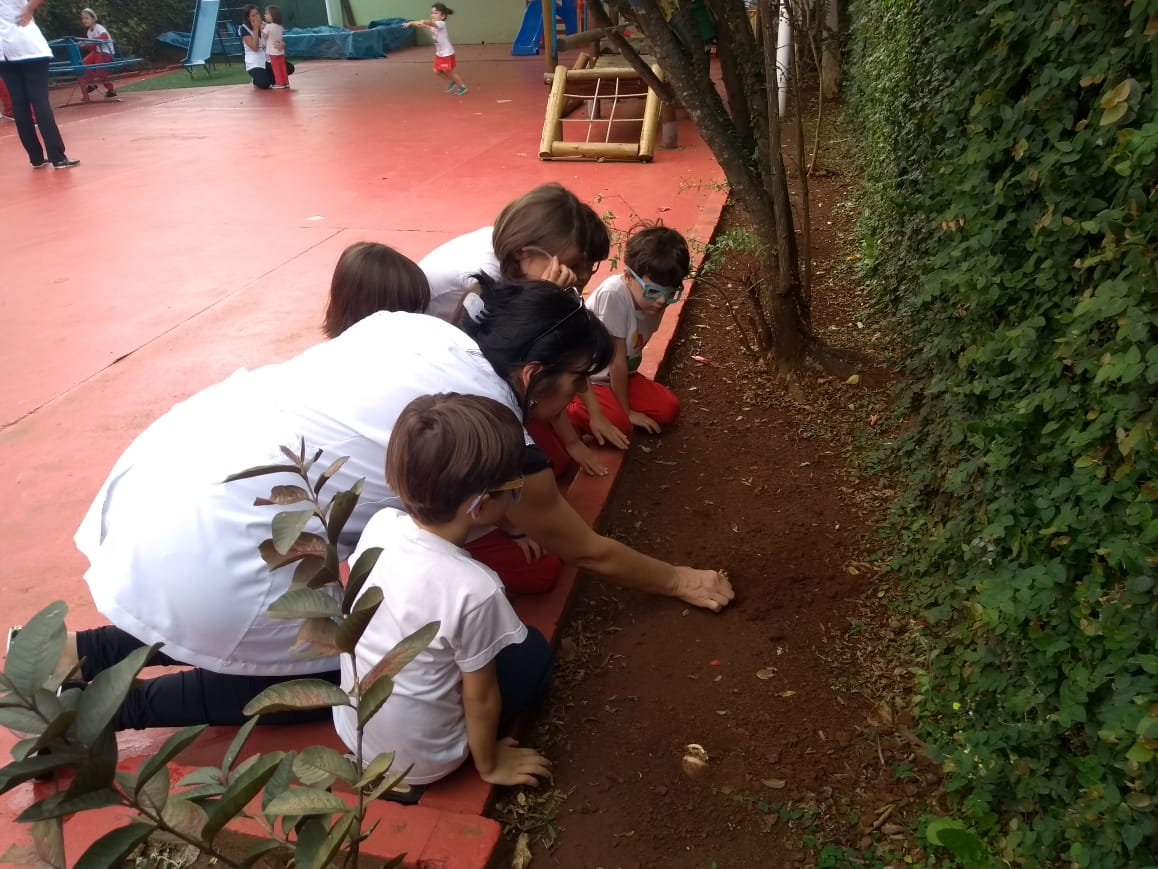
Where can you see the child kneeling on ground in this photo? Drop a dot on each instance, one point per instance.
(454, 463)
(631, 306)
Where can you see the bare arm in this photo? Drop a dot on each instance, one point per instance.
(253, 41)
(617, 373)
(26, 14)
(579, 452)
(500, 763)
(545, 515)
(423, 24)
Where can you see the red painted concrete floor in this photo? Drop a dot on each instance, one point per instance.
(198, 235)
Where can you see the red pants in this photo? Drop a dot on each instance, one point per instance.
(101, 75)
(646, 396)
(280, 72)
(543, 433)
(502, 555)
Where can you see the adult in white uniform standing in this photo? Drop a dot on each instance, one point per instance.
(173, 550)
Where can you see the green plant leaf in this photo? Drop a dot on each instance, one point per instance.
(370, 702)
(241, 790)
(184, 816)
(171, 747)
(112, 849)
(311, 834)
(305, 603)
(237, 744)
(313, 572)
(377, 768)
(1114, 114)
(287, 527)
(341, 508)
(100, 701)
(333, 842)
(297, 695)
(57, 806)
(354, 625)
(360, 570)
(20, 771)
(280, 781)
(401, 655)
(390, 783)
(305, 802)
(261, 471)
(318, 763)
(54, 730)
(36, 650)
(206, 775)
(307, 544)
(260, 850)
(22, 720)
(283, 496)
(99, 770)
(317, 638)
(199, 793)
(48, 842)
(154, 794)
(328, 472)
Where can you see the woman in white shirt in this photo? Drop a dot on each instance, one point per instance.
(24, 60)
(173, 550)
(256, 58)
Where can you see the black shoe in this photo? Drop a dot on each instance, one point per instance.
(43, 164)
(110, 94)
(65, 164)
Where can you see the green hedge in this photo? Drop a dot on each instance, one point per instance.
(1010, 155)
(134, 24)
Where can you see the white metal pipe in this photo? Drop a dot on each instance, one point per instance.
(783, 52)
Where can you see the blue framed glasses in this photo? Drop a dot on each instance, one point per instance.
(655, 293)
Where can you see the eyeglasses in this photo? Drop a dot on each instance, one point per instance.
(515, 487)
(654, 292)
(580, 308)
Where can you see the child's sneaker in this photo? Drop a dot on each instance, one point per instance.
(460, 91)
(450, 88)
(110, 94)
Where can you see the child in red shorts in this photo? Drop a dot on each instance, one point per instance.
(444, 63)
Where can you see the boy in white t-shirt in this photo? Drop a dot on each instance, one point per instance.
(630, 305)
(454, 462)
(445, 65)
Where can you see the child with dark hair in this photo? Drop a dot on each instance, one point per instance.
(369, 278)
(445, 65)
(630, 305)
(454, 462)
(273, 34)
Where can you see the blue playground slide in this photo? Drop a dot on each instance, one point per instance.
(201, 37)
(530, 38)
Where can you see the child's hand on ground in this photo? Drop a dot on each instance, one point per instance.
(605, 432)
(516, 766)
(583, 456)
(709, 589)
(532, 550)
(643, 421)
(558, 274)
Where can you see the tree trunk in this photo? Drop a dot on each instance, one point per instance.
(830, 67)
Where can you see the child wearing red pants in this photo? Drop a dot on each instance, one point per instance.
(99, 51)
(273, 35)
(631, 305)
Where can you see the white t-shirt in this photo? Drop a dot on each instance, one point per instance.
(98, 31)
(173, 550)
(16, 42)
(442, 46)
(424, 578)
(272, 35)
(449, 266)
(615, 307)
(254, 58)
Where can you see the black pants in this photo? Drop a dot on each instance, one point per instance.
(27, 82)
(194, 696)
(263, 78)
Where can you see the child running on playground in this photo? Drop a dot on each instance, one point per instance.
(445, 66)
(454, 463)
(273, 35)
(99, 51)
(631, 305)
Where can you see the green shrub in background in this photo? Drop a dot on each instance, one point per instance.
(1009, 151)
(134, 24)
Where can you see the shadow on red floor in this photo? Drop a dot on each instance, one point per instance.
(198, 236)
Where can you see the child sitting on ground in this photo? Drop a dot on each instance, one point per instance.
(99, 51)
(631, 305)
(454, 463)
(371, 277)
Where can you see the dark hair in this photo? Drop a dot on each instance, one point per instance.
(443, 8)
(550, 217)
(519, 322)
(658, 252)
(445, 448)
(245, 10)
(274, 14)
(372, 277)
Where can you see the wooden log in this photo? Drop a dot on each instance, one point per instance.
(594, 150)
(585, 38)
(650, 121)
(625, 72)
(553, 121)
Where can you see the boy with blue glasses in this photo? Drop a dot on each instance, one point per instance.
(630, 305)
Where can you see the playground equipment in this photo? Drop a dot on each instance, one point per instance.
(541, 26)
(200, 51)
(607, 92)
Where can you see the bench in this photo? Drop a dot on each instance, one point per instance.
(68, 64)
